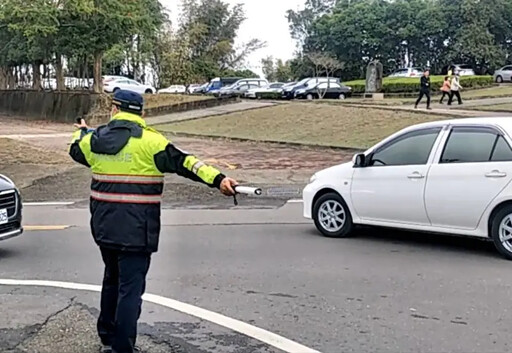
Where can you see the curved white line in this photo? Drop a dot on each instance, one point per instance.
(257, 333)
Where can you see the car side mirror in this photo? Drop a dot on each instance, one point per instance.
(359, 160)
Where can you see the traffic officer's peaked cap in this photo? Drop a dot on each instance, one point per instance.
(128, 100)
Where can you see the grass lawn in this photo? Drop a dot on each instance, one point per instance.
(491, 92)
(495, 108)
(158, 100)
(307, 123)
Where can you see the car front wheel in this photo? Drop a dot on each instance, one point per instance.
(310, 97)
(499, 79)
(342, 96)
(149, 91)
(501, 231)
(332, 216)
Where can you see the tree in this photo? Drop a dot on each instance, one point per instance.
(268, 68)
(325, 65)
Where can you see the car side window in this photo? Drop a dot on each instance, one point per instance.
(475, 145)
(412, 148)
(323, 85)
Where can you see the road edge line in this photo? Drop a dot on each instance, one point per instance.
(257, 333)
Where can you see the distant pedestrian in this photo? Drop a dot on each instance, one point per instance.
(455, 88)
(446, 88)
(424, 89)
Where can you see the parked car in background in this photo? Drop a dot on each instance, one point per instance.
(503, 74)
(201, 89)
(241, 86)
(329, 90)
(408, 72)
(108, 78)
(461, 69)
(274, 87)
(10, 209)
(125, 83)
(219, 82)
(289, 92)
(450, 177)
(174, 89)
(192, 88)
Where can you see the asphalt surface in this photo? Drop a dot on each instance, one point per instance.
(380, 291)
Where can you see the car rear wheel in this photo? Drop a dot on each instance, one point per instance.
(499, 79)
(310, 97)
(501, 231)
(332, 216)
(342, 96)
(149, 91)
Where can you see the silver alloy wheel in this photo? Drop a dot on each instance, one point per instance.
(309, 97)
(342, 96)
(505, 232)
(331, 216)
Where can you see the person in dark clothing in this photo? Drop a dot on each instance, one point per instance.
(128, 160)
(424, 89)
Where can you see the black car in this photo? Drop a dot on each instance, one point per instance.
(10, 209)
(329, 90)
(289, 92)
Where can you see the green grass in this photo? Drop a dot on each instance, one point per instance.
(159, 100)
(306, 123)
(495, 108)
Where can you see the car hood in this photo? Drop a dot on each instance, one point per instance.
(5, 184)
(344, 170)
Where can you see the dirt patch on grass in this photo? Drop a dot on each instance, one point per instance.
(160, 100)
(17, 152)
(313, 124)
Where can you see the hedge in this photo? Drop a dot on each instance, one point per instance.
(408, 85)
(268, 95)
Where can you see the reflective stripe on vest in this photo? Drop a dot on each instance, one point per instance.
(126, 198)
(128, 179)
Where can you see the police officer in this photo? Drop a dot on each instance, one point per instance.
(128, 160)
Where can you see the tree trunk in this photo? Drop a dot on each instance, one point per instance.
(11, 81)
(36, 74)
(98, 82)
(59, 72)
(3, 77)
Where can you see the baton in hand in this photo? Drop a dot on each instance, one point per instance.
(246, 190)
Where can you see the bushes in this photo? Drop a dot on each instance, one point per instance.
(268, 95)
(409, 85)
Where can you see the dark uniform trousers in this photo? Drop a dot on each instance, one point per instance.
(124, 283)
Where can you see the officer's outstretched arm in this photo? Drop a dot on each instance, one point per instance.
(173, 160)
(78, 142)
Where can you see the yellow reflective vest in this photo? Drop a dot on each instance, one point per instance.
(128, 160)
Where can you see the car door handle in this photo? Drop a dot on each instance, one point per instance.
(416, 175)
(496, 174)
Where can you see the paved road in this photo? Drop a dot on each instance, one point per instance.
(382, 291)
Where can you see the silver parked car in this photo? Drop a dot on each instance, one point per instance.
(407, 72)
(504, 74)
(10, 209)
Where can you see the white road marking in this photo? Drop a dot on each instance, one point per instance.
(257, 333)
(295, 201)
(47, 203)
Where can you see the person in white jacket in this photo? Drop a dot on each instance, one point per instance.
(455, 89)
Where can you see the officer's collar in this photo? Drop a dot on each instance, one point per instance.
(130, 117)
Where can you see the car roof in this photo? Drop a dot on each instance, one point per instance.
(504, 122)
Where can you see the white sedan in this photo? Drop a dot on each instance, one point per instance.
(174, 89)
(127, 84)
(449, 177)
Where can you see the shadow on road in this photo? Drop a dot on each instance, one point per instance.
(422, 242)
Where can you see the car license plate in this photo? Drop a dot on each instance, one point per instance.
(4, 218)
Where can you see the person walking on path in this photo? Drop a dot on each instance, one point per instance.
(128, 160)
(424, 89)
(445, 89)
(455, 88)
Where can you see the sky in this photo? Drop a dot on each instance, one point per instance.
(266, 20)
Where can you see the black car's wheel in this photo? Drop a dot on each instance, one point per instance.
(501, 231)
(499, 79)
(342, 96)
(310, 97)
(332, 216)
